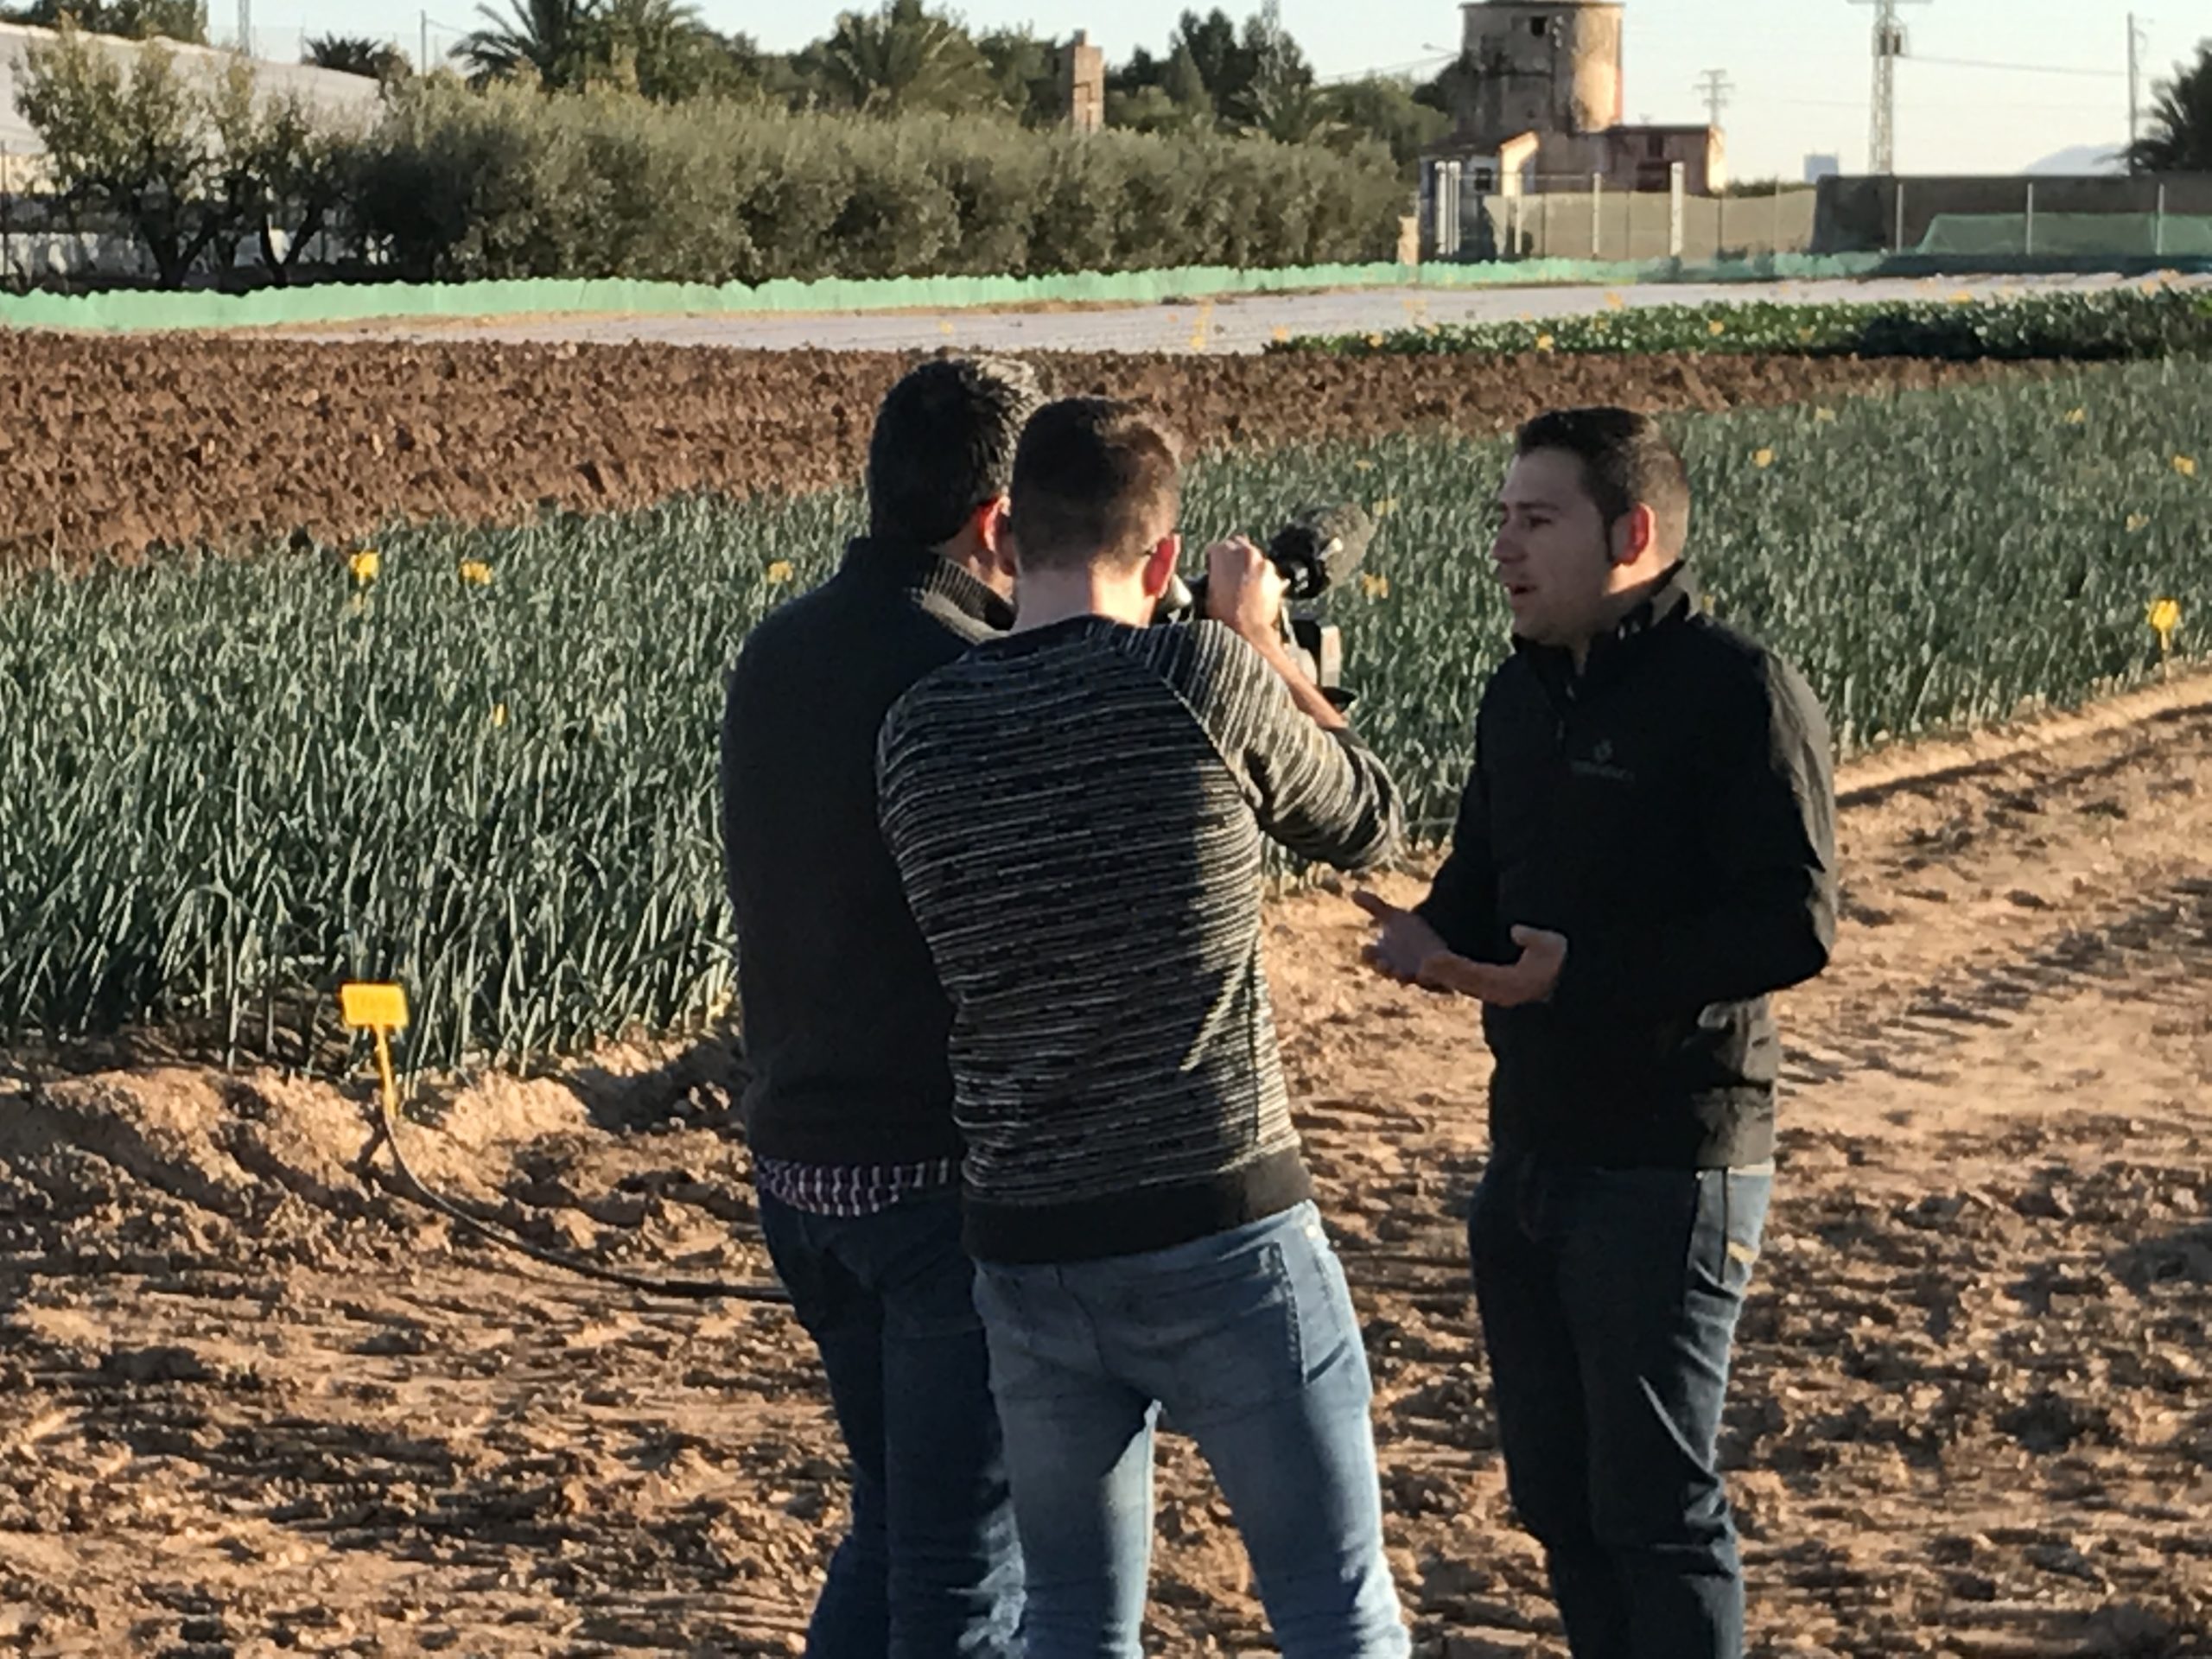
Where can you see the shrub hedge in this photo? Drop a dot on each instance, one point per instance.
(456, 185)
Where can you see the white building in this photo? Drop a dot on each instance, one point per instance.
(341, 95)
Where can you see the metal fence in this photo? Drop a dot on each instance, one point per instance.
(2052, 217)
(2158, 234)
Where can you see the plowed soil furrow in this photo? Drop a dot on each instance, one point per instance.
(114, 447)
(1972, 1413)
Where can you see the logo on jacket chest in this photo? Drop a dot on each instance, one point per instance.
(1599, 761)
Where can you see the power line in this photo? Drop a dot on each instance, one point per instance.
(2021, 68)
(1908, 107)
(426, 23)
(1344, 76)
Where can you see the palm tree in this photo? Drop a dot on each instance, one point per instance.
(903, 57)
(555, 42)
(662, 47)
(2180, 140)
(1282, 103)
(356, 55)
(1292, 113)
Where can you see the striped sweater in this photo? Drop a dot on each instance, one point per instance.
(1077, 814)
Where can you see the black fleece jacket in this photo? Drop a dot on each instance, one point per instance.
(1670, 810)
(845, 1026)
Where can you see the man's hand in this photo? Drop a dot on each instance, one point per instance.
(1406, 940)
(1245, 590)
(1531, 979)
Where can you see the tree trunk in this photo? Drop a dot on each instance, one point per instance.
(310, 225)
(170, 263)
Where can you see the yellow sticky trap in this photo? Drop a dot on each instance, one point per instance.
(373, 1007)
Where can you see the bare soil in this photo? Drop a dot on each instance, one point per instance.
(115, 447)
(259, 1405)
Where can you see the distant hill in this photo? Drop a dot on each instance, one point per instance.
(2082, 158)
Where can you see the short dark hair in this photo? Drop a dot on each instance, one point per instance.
(1094, 481)
(943, 445)
(1627, 462)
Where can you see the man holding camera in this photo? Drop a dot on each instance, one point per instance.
(1078, 813)
(1645, 850)
(849, 1109)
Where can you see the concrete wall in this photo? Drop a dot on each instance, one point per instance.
(1858, 214)
(1561, 225)
(1551, 67)
(1636, 226)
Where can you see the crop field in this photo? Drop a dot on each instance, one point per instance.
(414, 673)
(482, 760)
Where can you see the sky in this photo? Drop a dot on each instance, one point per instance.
(1802, 68)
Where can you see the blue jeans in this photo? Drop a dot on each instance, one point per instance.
(930, 1565)
(1609, 1299)
(1250, 1342)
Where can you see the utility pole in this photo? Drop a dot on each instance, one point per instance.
(1716, 89)
(245, 27)
(422, 59)
(2135, 42)
(1889, 46)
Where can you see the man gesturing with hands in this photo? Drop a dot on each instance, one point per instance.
(1643, 852)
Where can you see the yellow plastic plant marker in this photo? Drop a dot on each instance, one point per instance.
(381, 1009)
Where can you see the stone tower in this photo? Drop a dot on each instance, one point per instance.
(1539, 66)
(1083, 83)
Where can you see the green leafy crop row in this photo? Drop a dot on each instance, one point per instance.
(2109, 325)
(483, 762)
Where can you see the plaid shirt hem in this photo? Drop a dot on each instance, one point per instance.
(853, 1190)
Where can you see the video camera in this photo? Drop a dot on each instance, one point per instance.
(1320, 547)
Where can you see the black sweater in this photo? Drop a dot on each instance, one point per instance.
(1079, 814)
(845, 1026)
(1671, 811)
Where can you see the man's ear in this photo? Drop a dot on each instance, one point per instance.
(1635, 533)
(1158, 572)
(990, 521)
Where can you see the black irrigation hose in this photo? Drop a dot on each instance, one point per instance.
(692, 1290)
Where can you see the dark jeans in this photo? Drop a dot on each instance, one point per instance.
(1609, 1299)
(930, 1565)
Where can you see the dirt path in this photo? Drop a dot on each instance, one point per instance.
(258, 1407)
(1236, 322)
